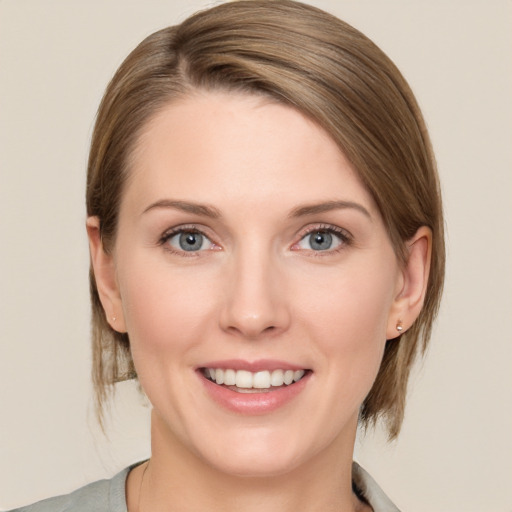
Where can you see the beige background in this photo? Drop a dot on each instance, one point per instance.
(56, 56)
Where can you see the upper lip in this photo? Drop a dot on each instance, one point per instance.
(252, 366)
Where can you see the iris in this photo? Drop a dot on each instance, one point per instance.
(320, 240)
(191, 241)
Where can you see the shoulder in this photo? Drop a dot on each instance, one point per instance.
(101, 496)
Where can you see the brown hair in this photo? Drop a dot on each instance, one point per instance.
(316, 63)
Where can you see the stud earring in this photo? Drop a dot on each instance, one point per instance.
(114, 319)
(399, 326)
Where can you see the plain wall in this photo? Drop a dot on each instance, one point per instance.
(56, 57)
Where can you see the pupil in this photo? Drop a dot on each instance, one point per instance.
(321, 241)
(191, 241)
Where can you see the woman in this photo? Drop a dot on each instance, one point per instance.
(267, 257)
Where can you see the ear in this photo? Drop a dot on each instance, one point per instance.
(105, 275)
(412, 285)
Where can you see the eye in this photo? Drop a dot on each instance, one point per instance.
(188, 241)
(321, 240)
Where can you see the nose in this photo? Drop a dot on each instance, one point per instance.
(255, 304)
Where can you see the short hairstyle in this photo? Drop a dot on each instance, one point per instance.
(310, 60)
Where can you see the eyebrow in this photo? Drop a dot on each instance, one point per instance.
(300, 211)
(327, 206)
(185, 206)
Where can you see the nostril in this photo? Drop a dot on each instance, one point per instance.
(252, 314)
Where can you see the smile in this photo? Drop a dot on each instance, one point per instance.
(244, 381)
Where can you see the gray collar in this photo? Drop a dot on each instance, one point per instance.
(370, 490)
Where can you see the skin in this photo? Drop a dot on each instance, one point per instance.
(256, 290)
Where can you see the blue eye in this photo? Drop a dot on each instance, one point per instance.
(321, 240)
(189, 241)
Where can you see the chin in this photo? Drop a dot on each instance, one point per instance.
(261, 466)
(255, 454)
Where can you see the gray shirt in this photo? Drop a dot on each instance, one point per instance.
(110, 496)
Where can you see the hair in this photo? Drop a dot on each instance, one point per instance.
(310, 60)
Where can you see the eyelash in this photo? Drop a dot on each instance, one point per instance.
(168, 235)
(344, 236)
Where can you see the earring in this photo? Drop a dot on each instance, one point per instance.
(114, 319)
(399, 326)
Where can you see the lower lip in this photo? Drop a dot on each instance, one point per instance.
(253, 403)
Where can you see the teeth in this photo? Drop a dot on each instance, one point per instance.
(277, 378)
(261, 380)
(229, 377)
(243, 379)
(298, 374)
(219, 376)
(288, 377)
(258, 380)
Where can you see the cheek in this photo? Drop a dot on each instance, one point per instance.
(354, 303)
(165, 309)
(351, 321)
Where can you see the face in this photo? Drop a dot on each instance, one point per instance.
(256, 281)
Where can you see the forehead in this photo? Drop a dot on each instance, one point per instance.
(221, 146)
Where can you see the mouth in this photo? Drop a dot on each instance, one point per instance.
(244, 381)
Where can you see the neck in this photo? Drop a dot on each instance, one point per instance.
(177, 479)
